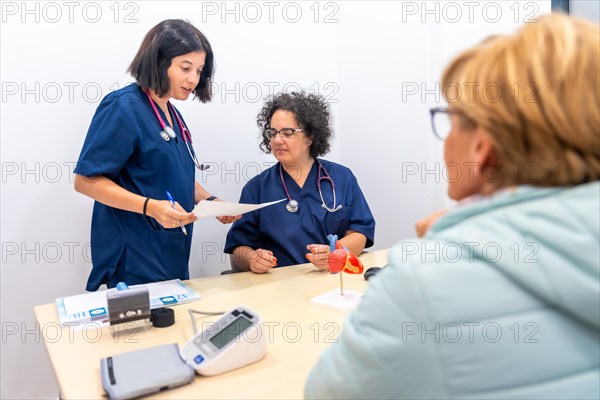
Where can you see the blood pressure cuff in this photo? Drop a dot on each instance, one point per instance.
(143, 372)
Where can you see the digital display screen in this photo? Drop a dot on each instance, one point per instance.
(230, 332)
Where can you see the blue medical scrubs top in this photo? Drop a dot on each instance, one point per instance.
(124, 144)
(287, 234)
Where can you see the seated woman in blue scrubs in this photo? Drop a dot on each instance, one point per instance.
(322, 197)
(137, 148)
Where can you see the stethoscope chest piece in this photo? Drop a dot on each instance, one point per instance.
(292, 206)
(170, 132)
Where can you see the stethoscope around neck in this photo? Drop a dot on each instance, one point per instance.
(292, 205)
(168, 133)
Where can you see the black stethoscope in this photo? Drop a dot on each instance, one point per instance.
(292, 205)
(168, 133)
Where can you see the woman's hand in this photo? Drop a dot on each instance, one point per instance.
(423, 225)
(165, 215)
(228, 219)
(262, 261)
(201, 194)
(319, 255)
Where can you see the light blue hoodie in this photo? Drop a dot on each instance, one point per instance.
(500, 300)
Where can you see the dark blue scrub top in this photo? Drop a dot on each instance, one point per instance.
(287, 234)
(124, 144)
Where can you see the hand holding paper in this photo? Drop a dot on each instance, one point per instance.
(206, 209)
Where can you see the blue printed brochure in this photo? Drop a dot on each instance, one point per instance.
(91, 307)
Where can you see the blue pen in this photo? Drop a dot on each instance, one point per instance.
(173, 207)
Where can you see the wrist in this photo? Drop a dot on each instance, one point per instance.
(250, 255)
(145, 207)
(151, 208)
(210, 198)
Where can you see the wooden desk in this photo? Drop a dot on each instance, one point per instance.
(297, 333)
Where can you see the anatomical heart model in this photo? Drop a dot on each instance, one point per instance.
(342, 260)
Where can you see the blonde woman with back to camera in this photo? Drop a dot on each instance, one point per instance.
(508, 306)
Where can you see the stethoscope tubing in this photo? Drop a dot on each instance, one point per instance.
(185, 133)
(292, 205)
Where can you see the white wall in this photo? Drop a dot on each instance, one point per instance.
(589, 9)
(377, 62)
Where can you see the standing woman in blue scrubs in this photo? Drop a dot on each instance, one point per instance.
(134, 153)
(322, 197)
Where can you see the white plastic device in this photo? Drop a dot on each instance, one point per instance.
(234, 340)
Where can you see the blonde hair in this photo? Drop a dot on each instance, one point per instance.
(537, 94)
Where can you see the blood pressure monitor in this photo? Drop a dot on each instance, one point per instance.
(235, 340)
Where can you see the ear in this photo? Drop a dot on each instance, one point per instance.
(483, 150)
(485, 157)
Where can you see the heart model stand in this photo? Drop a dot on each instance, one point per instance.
(341, 260)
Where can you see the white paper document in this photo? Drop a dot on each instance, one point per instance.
(206, 209)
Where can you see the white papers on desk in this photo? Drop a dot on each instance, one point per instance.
(206, 209)
(92, 307)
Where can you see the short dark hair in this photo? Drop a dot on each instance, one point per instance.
(169, 39)
(311, 112)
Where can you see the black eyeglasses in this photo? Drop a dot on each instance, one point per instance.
(286, 133)
(440, 122)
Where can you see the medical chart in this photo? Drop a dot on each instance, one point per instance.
(206, 209)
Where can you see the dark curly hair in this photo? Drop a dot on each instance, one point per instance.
(311, 112)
